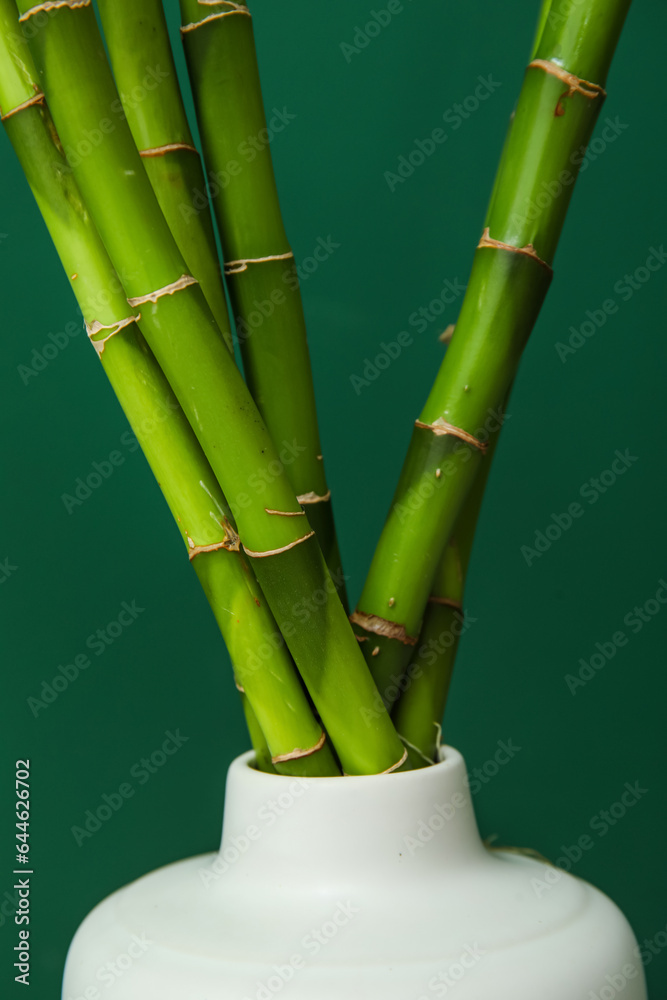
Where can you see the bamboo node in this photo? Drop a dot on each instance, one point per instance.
(441, 427)
(237, 9)
(277, 552)
(383, 627)
(286, 513)
(527, 251)
(169, 147)
(312, 497)
(174, 286)
(297, 753)
(238, 266)
(575, 84)
(96, 327)
(196, 550)
(447, 602)
(37, 98)
(231, 542)
(53, 5)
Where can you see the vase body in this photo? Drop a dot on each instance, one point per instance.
(341, 889)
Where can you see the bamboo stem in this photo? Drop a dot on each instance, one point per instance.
(511, 273)
(182, 335)
(261, 662)
(260, 270)
(419, 710)
(143, 66)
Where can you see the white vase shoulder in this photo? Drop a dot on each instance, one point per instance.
(374, 887)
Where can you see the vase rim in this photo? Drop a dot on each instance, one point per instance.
(450, 757)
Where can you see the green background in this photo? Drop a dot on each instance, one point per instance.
(354, 117)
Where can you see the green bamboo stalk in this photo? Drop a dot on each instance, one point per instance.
(273, 692)
(420, 708)
(511, 273)
(260, 746)
(143, 66)
(260, 272)
(182, 335)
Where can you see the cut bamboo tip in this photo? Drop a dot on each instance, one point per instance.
(239, 266)
(169, 147)
(527, 251)
(383, 627)
(174, 286)
(96, 327)
(441, 427)
(298, 753)
(277, 552)
(53, 5)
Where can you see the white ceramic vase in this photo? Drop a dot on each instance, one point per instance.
(370, 888)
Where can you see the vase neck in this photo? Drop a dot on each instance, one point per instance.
(299, 829)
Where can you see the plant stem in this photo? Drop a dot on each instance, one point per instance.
(143, 66)
(273, 691)
(419, 710)
(182, 335)
(511, 273)
(261, 275)
(259, 744)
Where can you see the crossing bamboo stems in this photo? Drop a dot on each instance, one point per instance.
(272, 689)
(143, 66)
(559, 102)
(183, 336)
(259, 264)
(420, 707)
